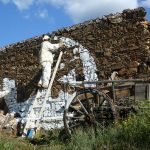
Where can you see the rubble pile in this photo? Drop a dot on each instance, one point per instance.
(117, 42)
(8, 122)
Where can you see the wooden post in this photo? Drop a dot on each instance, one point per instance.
(113, 90)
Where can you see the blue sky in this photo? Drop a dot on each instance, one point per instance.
(23, 19)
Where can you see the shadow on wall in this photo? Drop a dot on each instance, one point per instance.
(25, 91)
(3, 105)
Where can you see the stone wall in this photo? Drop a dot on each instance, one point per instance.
(117, 42)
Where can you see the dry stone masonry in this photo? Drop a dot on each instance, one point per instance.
(117, 42)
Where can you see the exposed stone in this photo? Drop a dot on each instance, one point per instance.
(115, 42)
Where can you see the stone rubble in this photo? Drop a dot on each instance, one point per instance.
(8, 122)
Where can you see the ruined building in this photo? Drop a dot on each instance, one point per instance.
(116, 42)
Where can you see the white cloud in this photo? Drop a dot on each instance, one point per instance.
(145, 3)
(27, 16)
(42, 14)
(80, 10)
(21, 4)
(55, 2)
(5, 1)
(88, 9)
